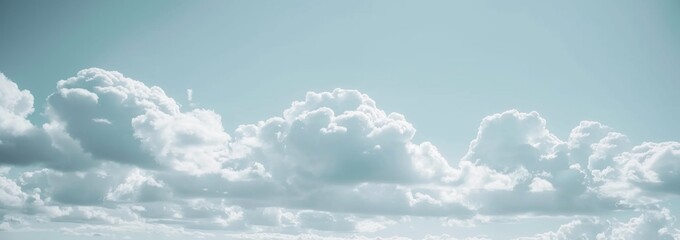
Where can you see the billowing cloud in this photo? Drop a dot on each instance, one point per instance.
(114, 151)
(22, 143)
(549, 175)
(337, 151)
(83, 102)
(657, 224)
(10, 193)
(341, 137)
(653, 166)
(15, 106)
(646, 174)
(139, 187)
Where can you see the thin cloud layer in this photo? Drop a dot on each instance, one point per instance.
(117, 154)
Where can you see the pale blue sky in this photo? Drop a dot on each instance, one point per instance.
(444, 65)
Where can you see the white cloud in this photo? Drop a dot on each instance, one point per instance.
(653, 166)
(544, 172)
(118, 151)
(540, 185)
(122, 230)
(280, 236)
(87, 214)
(15, 106)
(98, 94)
(324, 221)
(341, 137)
(10, 193)
(512, 139)
(102, 121)
(373, 225)
(590, 228)
(655, 224)
(139, 187)
(21, 143)
(338, 147)
(193, 142)
(646, 174)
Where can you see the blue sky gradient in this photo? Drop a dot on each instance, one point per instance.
(444, 65)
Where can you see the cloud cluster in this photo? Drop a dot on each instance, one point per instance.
(341, 137)
(658, 224)
(550, 175)
(115, 151)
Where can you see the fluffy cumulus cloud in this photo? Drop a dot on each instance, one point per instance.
(15, 106)
(653, 166)
(341, 137)
(119, 119)
(658, 224)
(16, 130)
(549, 174)
(116, 155)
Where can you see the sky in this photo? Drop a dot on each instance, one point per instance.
(339, 119)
